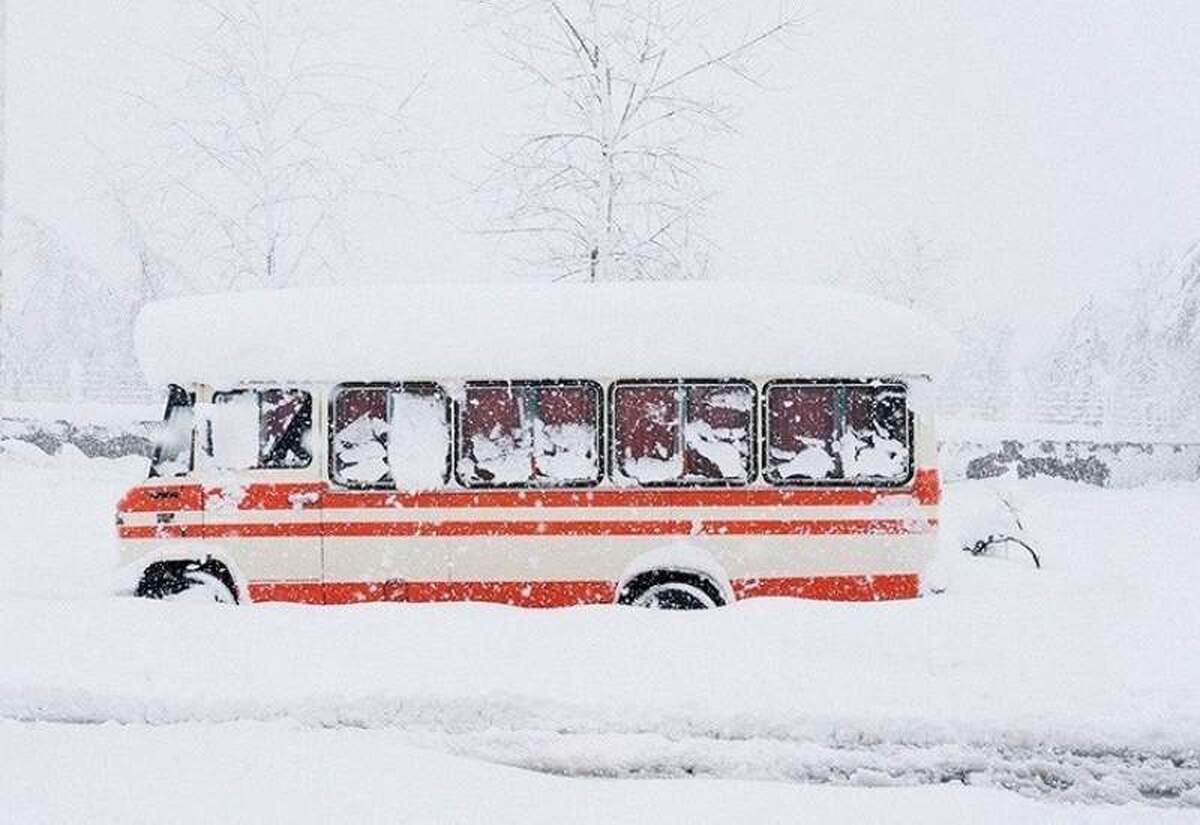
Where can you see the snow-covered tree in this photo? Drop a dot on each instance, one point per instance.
(1175, 326)
(260, 151)
(909, 268)
(65, 330)
(609, 183)
(1075, 383)
(980, 382)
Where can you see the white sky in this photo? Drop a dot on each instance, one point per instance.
(1043, 149)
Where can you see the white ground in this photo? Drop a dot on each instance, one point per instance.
(1074, 684)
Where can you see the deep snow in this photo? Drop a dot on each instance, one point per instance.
(1076, 682)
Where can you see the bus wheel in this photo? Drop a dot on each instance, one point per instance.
(187, 581)
(671, 590)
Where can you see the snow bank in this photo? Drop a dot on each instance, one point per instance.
(710, 329)
(56, 521)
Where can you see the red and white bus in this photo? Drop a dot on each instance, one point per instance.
(667, 445)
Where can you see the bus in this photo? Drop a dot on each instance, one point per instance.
(669, 445)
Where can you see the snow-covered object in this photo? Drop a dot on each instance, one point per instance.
(873, 455)
(360, 450)
(418, 441)
(812, 462)
(565, 452)
(534, 331)
(231, 429)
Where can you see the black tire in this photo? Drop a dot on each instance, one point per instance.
(191, 581)
(671, 590)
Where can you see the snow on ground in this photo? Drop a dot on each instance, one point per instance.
(1077, 682)
(282, 772)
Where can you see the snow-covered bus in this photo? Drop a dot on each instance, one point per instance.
(668, 445)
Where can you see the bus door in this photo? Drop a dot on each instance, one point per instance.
(263, 493)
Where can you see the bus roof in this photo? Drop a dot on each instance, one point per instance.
(530, 330)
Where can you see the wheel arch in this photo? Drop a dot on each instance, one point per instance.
(678, 561)
(210, 558)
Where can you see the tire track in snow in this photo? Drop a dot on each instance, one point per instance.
(1091, 775)
(569, 740)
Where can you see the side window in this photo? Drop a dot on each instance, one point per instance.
(529, 434)
(358, 437)
(684, 433)
(173, 440)
(496, 447)
(285, 427)
(875, 437)
(801, 434)
(260, 429)
(390, 437)
(857, 433)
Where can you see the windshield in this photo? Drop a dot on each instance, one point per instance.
(173, 444)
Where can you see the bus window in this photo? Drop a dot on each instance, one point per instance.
(875, 438)
(173, 443)
(646, 433)
(566, 433)
(530, 434)
(686, 433)
(801, 434)
(496, 446)
(717, 433)
(854, 433)
(358, 437)
(252, 429)
(390, 437)
(285, 425)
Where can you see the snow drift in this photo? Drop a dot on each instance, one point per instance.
(534, 331)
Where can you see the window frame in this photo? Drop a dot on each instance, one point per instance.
(535, 383)
(258, 391)
(387, 386)
(765, 437)
(620, 480)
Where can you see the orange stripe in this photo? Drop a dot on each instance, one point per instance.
(346, 529)
(833, 588)
(570, 593)
(926, 489)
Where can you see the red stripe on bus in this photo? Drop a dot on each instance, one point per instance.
(679, 527)
(570, 593)
(926, 489)
(882, 587)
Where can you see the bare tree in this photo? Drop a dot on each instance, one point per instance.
(909, 268)
(611, 183)
(260, 151)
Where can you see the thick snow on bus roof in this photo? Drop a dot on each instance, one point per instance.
(663, 329)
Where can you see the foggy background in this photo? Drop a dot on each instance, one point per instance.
(1027, 174)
